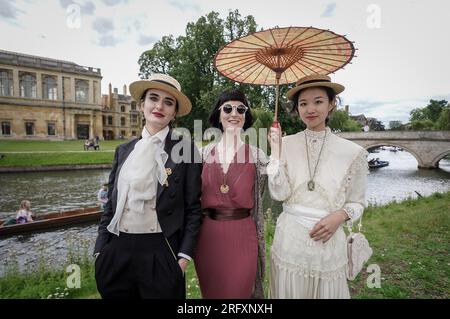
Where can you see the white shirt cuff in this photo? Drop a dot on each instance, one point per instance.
(184, 256)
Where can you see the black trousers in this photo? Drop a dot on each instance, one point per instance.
(139, 266)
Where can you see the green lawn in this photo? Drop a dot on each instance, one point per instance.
(53, 146)
(410, 240)
(47, 153)
(46, 159)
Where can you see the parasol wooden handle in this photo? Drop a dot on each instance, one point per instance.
(275, 118)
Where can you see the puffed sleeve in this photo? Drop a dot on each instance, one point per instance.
(279, 183)
(355, 193)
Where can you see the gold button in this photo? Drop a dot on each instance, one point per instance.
(168, 171)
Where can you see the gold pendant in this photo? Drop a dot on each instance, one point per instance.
(311, 186)
(224, 188)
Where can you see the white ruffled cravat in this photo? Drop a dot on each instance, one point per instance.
(140, 174)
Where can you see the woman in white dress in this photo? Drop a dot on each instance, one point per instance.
(321, 180)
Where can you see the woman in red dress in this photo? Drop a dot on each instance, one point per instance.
(230, 254)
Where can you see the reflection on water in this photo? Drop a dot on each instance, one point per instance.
(52, 191)
(401, 179)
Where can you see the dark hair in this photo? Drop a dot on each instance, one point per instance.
(176, 105)
(230, 95)
(331, 96)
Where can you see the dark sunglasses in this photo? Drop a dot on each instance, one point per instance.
(228, 108)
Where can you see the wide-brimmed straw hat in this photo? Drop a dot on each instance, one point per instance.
(313, 81)
(165, 83)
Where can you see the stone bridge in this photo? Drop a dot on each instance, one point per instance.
(428, 147)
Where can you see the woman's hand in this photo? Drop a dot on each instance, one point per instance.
(274, 138)
(328, 225)
(183, 262)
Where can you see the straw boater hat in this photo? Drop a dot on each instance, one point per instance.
(313, 81)
(165, 83)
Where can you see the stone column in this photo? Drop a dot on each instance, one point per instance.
(91, 125)
(39, 85)
(91, 92)
(16, 87)
(72, 85)
(72, 122)
(59, 81)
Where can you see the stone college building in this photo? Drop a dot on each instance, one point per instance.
(42, 98)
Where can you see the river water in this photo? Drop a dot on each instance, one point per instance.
(52, 191)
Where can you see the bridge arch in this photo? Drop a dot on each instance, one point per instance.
(436, 160)
(412, 152)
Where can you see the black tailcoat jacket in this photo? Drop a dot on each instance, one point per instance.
(177, 204)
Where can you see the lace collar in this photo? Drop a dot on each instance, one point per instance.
(317, 135)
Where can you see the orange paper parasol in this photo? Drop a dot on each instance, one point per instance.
(282, 56)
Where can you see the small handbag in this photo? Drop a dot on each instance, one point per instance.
(358, 252)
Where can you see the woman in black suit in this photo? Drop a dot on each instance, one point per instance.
(148, 231)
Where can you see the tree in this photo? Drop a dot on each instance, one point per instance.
(189, 58)
(417, 115)
(422, 125)
(395, 125)
(434, 108)
(443, 122)
(340, 120)
(431, 112)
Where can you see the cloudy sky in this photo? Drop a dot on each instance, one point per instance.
(403, 46)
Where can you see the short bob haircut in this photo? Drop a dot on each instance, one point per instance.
(331, 96)
(225, 96)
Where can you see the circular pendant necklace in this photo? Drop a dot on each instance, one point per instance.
(311, 184)
(224, 188)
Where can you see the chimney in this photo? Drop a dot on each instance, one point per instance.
(109, 95)
(116, 91)
(124, 90)
(346, 109)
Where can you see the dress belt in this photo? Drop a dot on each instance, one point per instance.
(227, 213)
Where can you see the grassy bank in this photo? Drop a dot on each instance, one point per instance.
(46, 153)
(49, 153)
(53, 146)
(47, 159)
(410, 240)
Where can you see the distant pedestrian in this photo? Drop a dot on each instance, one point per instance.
(102, 196)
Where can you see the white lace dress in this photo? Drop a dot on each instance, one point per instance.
(301, 267)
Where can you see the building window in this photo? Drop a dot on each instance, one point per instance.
(27, 85)
(134, 119)
(122, 134)
(133, 106)
(6, 83)
(29, 128)
(6, 128)
(122, 108)
(110, 120)
(122, 121)
(133, 133)
(51, 129)
(49, 87)
(104, 120)
(81, 91)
